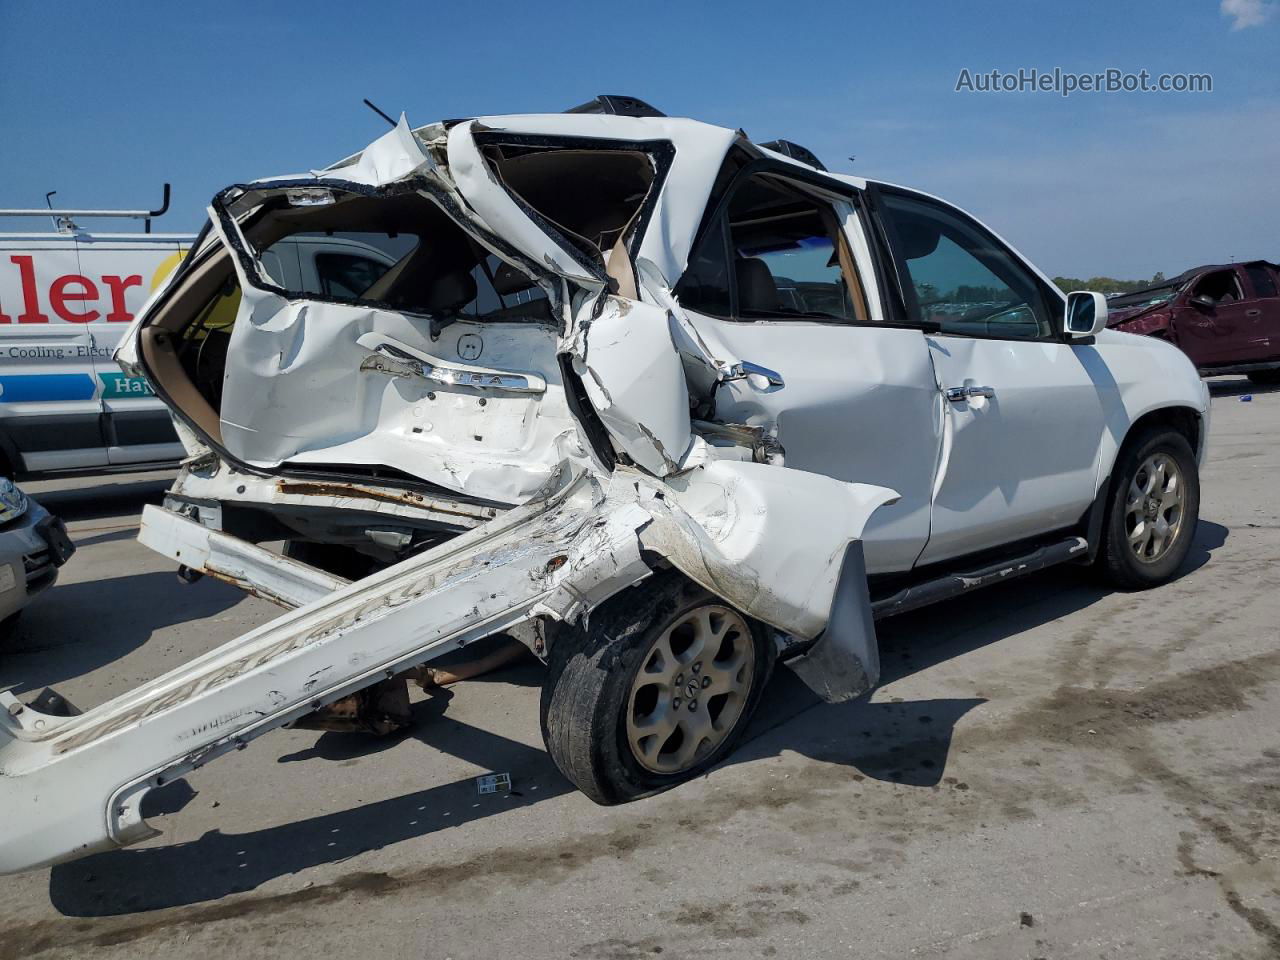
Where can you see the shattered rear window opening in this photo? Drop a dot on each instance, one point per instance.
(610, 185)
(399, 252)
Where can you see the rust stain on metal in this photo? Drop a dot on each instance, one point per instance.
(406, 497)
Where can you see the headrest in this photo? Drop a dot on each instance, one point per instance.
(756, 289)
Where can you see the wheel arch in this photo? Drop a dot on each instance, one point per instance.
(1182, 417)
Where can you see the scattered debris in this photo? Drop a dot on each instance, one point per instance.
(1026, 920)
(493, 783)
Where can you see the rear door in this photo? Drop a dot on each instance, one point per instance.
(783, 277)
(51, 411)
(1023, 418)
(1263, 309)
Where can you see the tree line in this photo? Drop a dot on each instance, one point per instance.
(1106, 285)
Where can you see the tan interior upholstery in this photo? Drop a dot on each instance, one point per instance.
(159, 340)
(159, 350)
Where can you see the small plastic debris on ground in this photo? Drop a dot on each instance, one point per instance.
(1247, 398)
(1026, 920)
(493, 783)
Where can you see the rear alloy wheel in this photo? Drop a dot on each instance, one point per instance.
(658, 688)
(691, 689)
(1155, 505)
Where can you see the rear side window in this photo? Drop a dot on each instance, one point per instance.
(347, 275)
(963, 279)
(777, 253)
(705, 284)
(400, 251)
(1264, 285)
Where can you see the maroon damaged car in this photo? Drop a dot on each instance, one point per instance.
(1225, 317)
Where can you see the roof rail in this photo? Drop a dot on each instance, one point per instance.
(795, 152)
(618, 105)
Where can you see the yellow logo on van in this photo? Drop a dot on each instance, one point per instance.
(167, 266)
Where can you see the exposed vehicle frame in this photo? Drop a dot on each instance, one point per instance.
(634, 530)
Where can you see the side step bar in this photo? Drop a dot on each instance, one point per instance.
(954, 584)
(73, 785)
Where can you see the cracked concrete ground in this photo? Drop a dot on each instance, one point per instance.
(1048, 770)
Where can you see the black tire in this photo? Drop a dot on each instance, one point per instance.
(587, 690)
(1265, 378)
(1118, 562)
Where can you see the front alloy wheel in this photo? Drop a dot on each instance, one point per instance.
(1153, 510)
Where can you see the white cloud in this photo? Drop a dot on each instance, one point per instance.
(1247, 13)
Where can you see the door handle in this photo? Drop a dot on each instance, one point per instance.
(1252, 313)
(745, 368)
(962, 394)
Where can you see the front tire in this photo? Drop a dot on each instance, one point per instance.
(657, 689)
(1265, 378)
(1153, 510)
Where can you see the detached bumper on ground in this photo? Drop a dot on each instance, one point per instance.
(73, 785)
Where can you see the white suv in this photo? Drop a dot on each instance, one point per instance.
(663, 403)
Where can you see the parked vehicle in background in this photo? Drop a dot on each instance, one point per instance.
(1225, 317)
(33, 545)
(65, 299)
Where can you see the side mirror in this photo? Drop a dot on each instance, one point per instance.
(1086, 314)
(1203, 301)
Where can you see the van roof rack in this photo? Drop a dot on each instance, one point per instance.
(617, 105)
(795, 152)
(63, 218)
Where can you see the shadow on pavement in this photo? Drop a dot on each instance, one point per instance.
(1238, 386)
(217, 864)
(78, 627)
(105, 498)
(901, 742)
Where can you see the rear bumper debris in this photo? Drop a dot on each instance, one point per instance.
(73, 785)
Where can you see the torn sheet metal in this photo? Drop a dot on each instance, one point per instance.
(396, 155)
(700, 149)
(634, 378)
(503, 215)
(750, 533)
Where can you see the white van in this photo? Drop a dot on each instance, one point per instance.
(67, 297)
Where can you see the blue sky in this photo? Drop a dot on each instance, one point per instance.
(104, 102)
